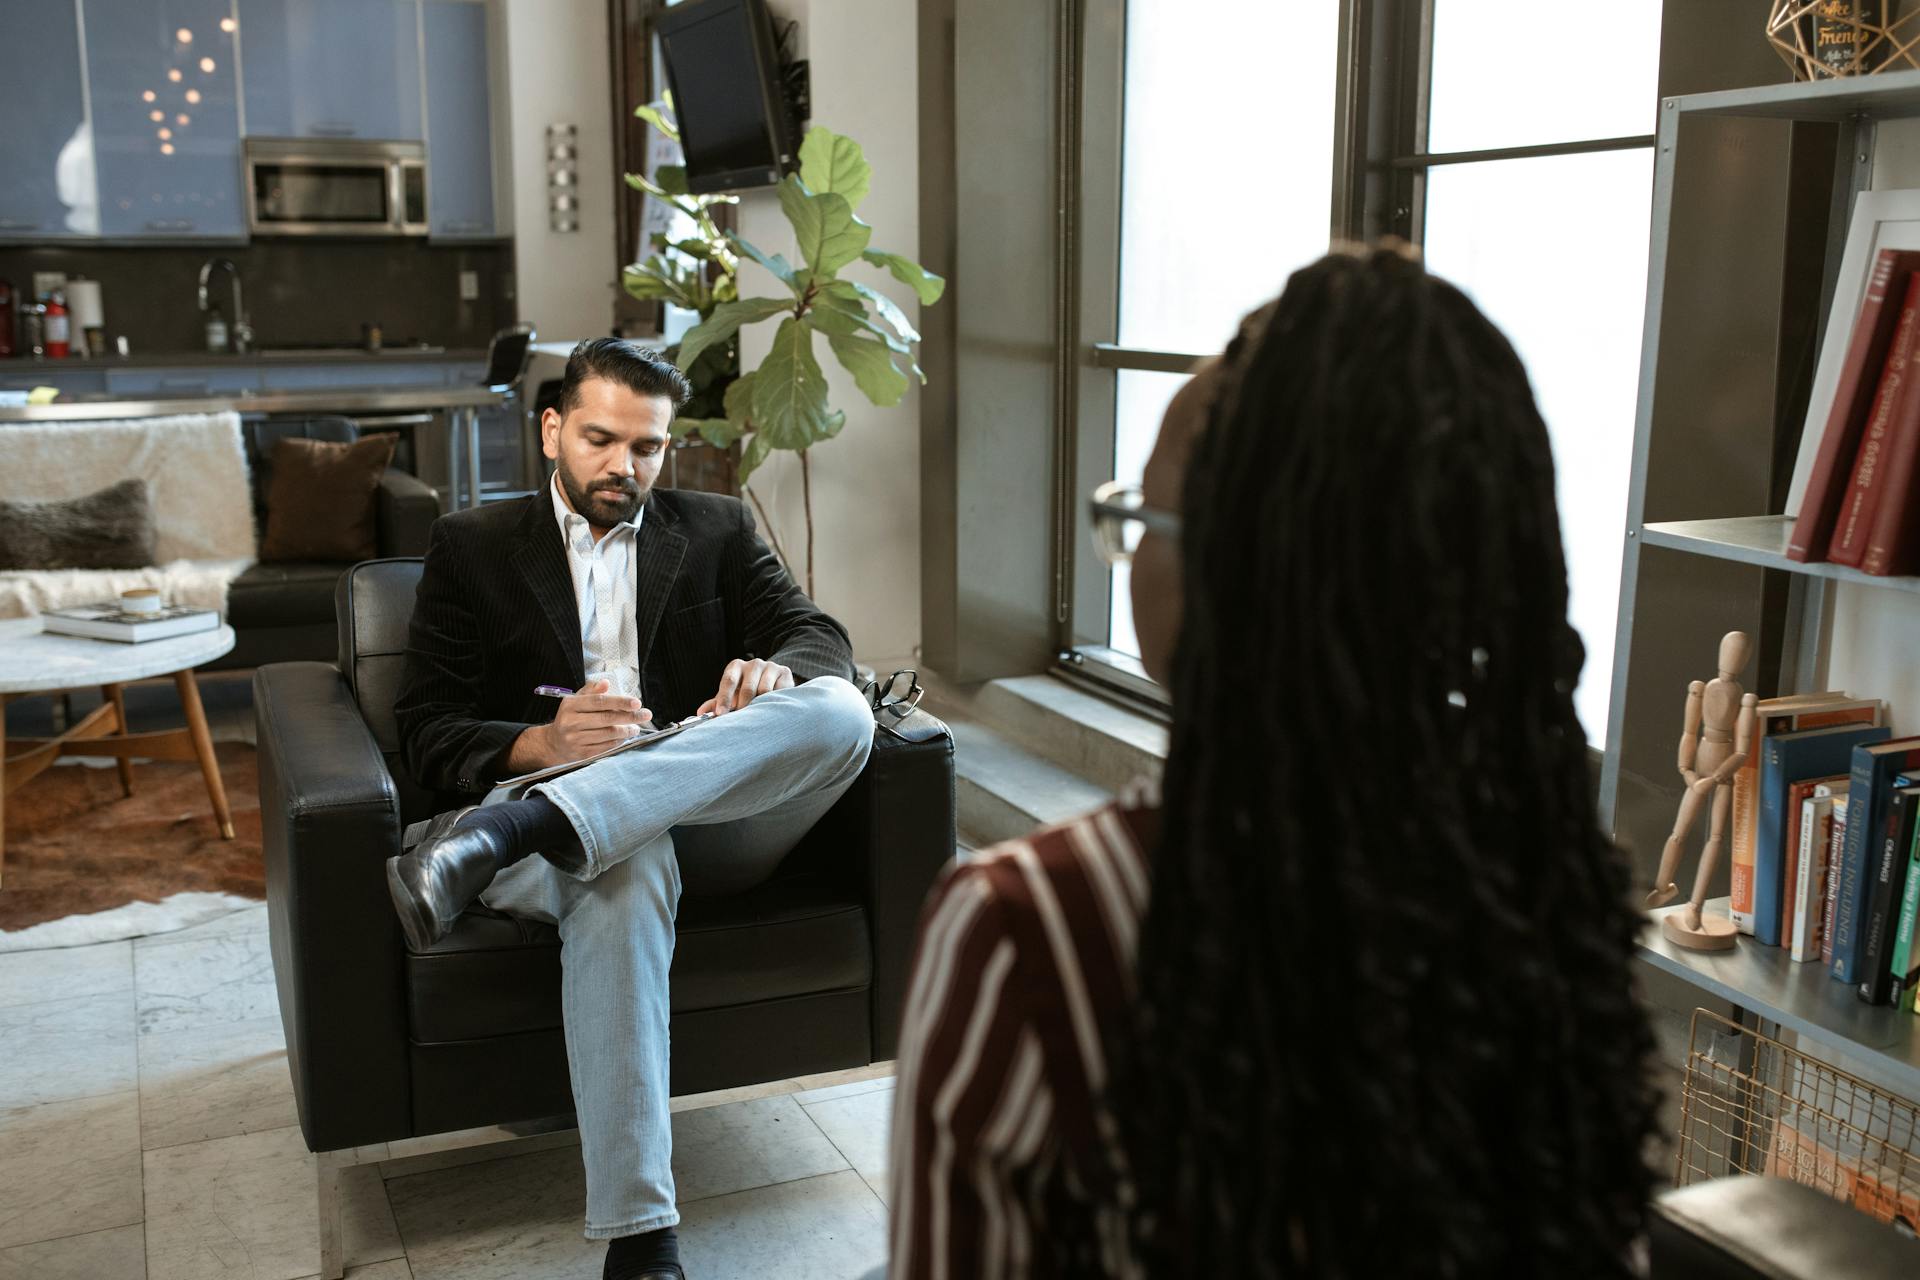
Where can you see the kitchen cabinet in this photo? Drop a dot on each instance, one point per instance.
(166, 117)
(45, 149)
(332, 68)
(459, 137)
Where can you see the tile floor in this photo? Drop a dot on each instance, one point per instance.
(147, 1129)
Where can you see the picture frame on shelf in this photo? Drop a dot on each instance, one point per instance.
(1881, 220)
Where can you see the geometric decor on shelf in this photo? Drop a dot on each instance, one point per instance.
(1825, 39)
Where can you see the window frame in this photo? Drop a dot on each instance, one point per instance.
(1382, 89)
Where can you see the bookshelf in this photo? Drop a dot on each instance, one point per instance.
(1758, 540)
(1799, 997)
(1742, 556)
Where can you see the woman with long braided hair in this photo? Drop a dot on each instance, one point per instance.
(1353, 999)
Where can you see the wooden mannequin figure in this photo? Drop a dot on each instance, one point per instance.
(1713, 745)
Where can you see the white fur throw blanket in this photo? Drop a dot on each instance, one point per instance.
(196, 473)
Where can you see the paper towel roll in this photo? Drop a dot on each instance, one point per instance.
(83, 304)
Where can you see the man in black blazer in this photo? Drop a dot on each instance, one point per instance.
(552, 628)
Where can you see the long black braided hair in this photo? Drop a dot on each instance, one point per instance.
(1385, 1023)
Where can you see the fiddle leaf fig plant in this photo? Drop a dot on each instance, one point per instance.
(783, 404)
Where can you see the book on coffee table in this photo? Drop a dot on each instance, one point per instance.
(108, 621)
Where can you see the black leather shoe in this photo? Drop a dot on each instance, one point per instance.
(441, 876)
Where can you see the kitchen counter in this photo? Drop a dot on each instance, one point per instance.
(346, 400)
(257, 359)
(461, 406)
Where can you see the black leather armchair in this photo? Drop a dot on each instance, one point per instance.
(283, 612)
(1756, 1228)
(803, 974)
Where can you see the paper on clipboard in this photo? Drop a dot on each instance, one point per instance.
(515, 788)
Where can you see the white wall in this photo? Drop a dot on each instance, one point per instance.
(557, 73)
(866, 482)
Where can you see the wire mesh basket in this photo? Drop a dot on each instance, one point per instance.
(1750, 1104)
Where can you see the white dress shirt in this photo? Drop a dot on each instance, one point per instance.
(603, 591)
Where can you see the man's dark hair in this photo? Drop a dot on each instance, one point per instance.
(626, 362)
(1385, 1022)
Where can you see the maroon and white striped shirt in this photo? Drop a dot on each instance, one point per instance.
(1004, 1155)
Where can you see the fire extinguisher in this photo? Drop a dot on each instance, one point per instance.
(57, 343)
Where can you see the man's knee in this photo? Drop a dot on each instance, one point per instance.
(843, 719)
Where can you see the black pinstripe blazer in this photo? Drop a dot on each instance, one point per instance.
(495, 616)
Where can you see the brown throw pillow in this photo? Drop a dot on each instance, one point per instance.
(109, 529)
(320, 504)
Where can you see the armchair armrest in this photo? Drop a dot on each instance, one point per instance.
(330, 817)
(404, 509)
(893, 833)
(1754, 1227)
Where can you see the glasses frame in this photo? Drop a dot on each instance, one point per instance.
(885, 695)
(1108, 508)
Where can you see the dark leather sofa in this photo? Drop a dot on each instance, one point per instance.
(806, 973)
(283, 612)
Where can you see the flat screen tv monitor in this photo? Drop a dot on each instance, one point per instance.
(724, 69)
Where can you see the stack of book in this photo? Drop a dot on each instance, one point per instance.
(1858, 508)
(1825, 816)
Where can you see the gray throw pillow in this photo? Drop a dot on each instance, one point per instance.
(110, 529)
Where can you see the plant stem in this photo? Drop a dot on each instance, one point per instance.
(767, 524)
(806, 495)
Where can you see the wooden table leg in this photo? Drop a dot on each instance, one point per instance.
(117, 696)
(3, 788)
(203, 747)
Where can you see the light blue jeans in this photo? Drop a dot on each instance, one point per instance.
(714, 809)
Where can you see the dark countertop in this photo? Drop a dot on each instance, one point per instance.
(256, 360)
(328, 400)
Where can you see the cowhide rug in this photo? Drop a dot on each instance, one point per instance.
(84, 864)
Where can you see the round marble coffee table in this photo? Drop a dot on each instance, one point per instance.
(33, 661)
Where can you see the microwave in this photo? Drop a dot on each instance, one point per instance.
(335, 187)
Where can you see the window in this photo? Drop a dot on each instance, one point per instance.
(1208, 131)
(1552, 245)
(1526, 176)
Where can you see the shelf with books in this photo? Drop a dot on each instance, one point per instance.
(1882, 1041)
(1757, 540)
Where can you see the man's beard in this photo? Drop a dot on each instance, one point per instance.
(606, 503)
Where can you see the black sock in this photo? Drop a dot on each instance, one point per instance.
(533, 825)
(632, 1256)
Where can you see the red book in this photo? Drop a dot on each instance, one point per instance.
(1852, 399)
(1796, 796)
(1893, 540)
(1857, 504)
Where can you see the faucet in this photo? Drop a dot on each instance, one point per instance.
(241, 333)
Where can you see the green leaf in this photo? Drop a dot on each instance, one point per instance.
(829, 235)
(672, 179)
(778, 265)
(872, 368)
(790, 393)
(847, 316)
(923, 282)
(739, 400)
(717, 432)
(657, 279)
(659, 120)
(889, 310)
(695, 249)
(753, 455)
(833, 162)
(835, 420)
(722, 324)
